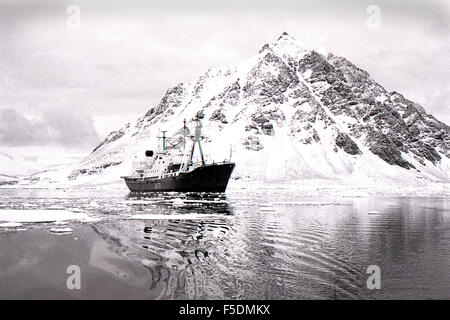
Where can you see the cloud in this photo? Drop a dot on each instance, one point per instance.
(52, 127)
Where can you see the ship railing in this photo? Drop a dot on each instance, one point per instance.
(196, 164)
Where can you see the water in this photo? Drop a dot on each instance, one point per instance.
(247, 244)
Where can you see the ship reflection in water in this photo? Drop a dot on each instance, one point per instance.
(249, 244)
(177, 247)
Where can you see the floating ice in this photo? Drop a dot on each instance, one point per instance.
(137, 202)
(29, 205)
(12, 215)
(61, 230)
(55, 208)
(188, 216)
(206, 201)
(10, 225)
(307, 203)
(178, 202)
(94, 204)
(60, 223)
(266, 209)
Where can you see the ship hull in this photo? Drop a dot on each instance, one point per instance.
(206, 178)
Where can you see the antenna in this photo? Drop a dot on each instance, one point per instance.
(231, 152)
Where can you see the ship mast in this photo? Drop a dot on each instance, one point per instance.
(184, 136)
(163, 139)
(196, 139)
(198, 136)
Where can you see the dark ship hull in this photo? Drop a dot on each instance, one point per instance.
(206, 178)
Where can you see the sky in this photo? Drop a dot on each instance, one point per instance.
(72, 71)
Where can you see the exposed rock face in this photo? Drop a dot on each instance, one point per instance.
(287, 100)
(262, 123)
(252, 143)
(344, 142)
(7, 179)
(268, 80)
(113, 136)
(172, 99)
(391, 124)
(381, 145)
(218, 115)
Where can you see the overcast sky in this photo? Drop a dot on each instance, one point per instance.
(78, 82)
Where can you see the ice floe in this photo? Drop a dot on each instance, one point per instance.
(188, 216)
(266, 209)
(61, 230)
(307, 203)
(206, 201)
(178, 202)
(55, 208)
(29, 205)
(61, 223)
(94, 204)
(10, 225)
(18, 215)
(137, 202)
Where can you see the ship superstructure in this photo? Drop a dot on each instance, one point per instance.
(174, 170)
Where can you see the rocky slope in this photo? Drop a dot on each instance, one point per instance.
(287, 113)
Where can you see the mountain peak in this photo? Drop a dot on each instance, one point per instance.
(286, 38)
(286, 45)
(284, 34)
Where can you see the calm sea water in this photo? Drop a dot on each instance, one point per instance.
(247, 244)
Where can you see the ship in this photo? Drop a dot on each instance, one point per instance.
(174, 170)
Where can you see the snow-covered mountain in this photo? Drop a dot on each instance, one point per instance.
(287, 113)
(5, 161)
